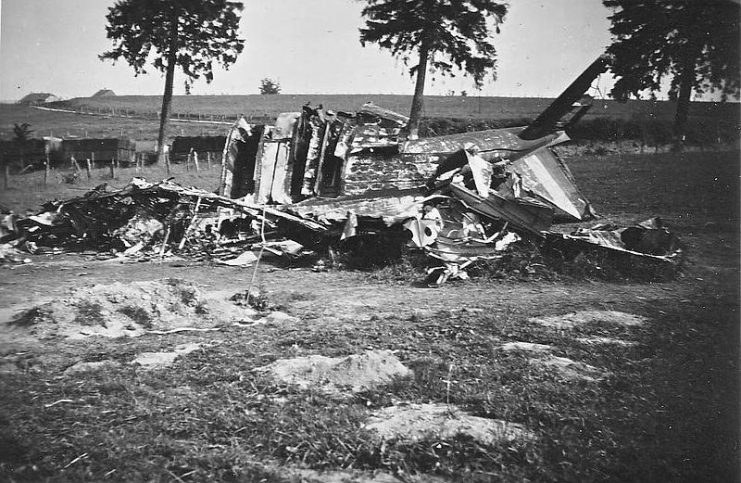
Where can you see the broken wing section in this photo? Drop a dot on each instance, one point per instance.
(546, 177)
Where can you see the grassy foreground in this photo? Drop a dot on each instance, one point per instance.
(665, 410)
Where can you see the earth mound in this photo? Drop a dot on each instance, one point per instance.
(416, 422)
(130, 309)
(356, 372)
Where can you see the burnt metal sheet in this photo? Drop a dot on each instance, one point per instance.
(547, 177)
(533, 217)
(649, 239)
(385, 117)
(493, 144)
(392, 207)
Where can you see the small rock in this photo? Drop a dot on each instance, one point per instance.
(571, 369)
(91, 366)
(525, 346)
(155, 360)
(606, 341)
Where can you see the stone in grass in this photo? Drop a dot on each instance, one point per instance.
(416, 422)
(357, 372)
(156, 360)
(575, 319)
(525, 346)
(605, 341)
(570, 369)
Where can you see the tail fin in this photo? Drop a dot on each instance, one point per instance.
(549, 119)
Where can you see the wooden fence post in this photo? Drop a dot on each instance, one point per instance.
(47, 167)
(113, 169)
(195, 161)
(167, 163)
(87, 167)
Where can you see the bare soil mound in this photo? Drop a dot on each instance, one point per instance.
(415, 422)
(130, 309)
(571, 370)
(575, 319)
(157, 360)
(356, 372)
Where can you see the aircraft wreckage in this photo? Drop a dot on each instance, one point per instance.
(326, 180)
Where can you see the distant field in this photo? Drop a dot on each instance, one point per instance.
(70, 125)
(435, 106)
(446, 113)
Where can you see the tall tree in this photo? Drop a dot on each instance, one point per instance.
(693, 42)
(446, 35)
(189, 34)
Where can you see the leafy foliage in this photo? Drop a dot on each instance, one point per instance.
(694, 43)
(189, 34)
(199, 32)
(269, 86)
(451, 36)
(22, 132)
(457, 32)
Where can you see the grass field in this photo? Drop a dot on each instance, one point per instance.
(69, 125)
(435, 106)
(665, 408)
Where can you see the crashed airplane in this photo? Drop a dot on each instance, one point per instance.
(459, 197)
(355, 181)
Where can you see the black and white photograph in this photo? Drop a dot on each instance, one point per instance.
(370, 241)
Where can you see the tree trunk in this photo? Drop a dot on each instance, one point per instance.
(419, 90)
(686, 83)
(167, 96)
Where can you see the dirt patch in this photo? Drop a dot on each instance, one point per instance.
(91, 366)
(157, 360)
(415, 422)
(525, 346)
(570, 369)
(356, 373)
(575, 319)
(130, 309)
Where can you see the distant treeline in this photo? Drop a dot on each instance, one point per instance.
(647, 131)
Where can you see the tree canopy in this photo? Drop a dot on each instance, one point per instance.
(693, 44)
(189, 34)
(269, 86)
(448, 36)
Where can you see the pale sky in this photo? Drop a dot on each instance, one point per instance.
(308, 46)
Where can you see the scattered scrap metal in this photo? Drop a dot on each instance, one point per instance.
(327, 180)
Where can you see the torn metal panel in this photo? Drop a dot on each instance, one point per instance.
(493, 144)
(381, 116)
(392, 207)
(649, 239)
(547, 177)
(236, 162)
(528, 215)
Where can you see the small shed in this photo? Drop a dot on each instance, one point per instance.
(33, 152)
(203, 145)
(37, 98)
(100, 150)
(104, 93)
